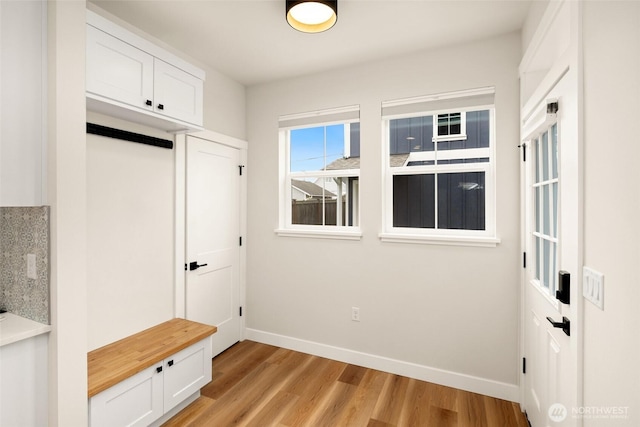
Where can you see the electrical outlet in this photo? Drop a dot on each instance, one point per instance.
(355, 314)
(31, 266)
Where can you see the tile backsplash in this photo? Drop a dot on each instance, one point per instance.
(24, 230)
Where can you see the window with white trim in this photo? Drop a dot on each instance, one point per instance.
(450, 126)
(439, 173)
(320, 173)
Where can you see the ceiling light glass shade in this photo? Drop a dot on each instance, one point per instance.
(312, 16)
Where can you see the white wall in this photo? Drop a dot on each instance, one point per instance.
(67, 196)
(444, 307)
(224, 104)
(612, 206)
(530, 25)
(130, 244)
(23, 113)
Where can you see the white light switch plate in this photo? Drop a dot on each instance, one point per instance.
(593, 286)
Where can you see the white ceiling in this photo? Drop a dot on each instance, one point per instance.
(251, 42)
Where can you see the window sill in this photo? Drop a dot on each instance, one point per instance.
(354, 234)
(487, 242)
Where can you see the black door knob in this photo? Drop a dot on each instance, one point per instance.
(160, 107)
(149, 103)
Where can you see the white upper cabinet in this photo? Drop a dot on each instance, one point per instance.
(131, 78)
(118, 71)
(177, 94)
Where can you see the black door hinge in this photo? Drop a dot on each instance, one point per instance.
(524, 151)
(240, 311)
(240, 167)
(524, 365)
(524, 260)
(240, 240)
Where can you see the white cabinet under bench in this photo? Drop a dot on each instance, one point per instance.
(149, 376)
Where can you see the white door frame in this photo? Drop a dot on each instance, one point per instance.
(181, 224)
(544, 63)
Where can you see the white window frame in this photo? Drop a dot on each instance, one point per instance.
(452, 136)
(486, 237)
(315, 119)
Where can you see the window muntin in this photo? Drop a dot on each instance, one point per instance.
(315, 201)
(458, 203)
(321, 176)
(314, 148)
(545, 195)
(441, 185)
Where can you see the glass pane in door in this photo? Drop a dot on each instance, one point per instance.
(545, 207)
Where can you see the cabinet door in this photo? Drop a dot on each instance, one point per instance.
(118, 71)
(136, 401)
(177, 94)
(186, 372)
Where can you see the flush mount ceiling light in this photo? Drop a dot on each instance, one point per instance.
(312, 16)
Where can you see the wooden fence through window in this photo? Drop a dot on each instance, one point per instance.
(309, 212)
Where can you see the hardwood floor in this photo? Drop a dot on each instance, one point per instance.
(260, 385)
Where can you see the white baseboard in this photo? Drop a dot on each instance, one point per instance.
(470, 383)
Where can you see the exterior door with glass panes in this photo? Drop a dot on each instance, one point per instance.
(551, 188)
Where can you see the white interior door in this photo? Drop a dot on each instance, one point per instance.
(213, 232)
(551, 209)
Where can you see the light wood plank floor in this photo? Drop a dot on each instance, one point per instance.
(260, 385)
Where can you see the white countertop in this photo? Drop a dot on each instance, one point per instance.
(15, 328)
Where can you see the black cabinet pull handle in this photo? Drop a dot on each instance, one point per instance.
(170, 363)
(159, 369)
(160, 107)
(193, 265)
(149, 103)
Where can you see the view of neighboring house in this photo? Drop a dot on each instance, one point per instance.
(311, 204)
(432, 141)
(305, 190)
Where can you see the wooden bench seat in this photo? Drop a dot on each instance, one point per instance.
(115, 362)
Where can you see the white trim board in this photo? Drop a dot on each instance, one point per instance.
(465, 382)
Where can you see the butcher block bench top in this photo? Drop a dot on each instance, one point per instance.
(122, 359)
